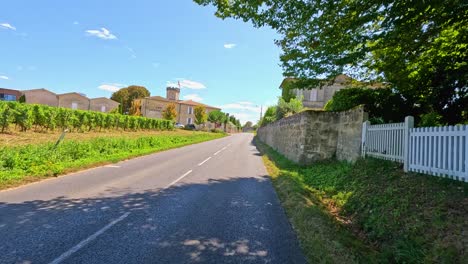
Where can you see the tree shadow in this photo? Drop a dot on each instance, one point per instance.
(232, 220)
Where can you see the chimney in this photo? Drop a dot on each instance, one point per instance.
(172, 93)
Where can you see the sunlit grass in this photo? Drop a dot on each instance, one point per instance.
(371, 211)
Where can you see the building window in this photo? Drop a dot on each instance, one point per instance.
(103, 108)
(313, 95)
(74, 105)
(189, 120)
(7, 97)
(190, 110)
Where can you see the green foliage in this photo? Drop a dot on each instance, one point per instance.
(216, 117)
(49, 118)
(200, 115)
(418, 47)
(269, 116)
(170, 113)
(43, 160)
(382, 104)
(406, 218)
(125, 96)
(431, 119)
(284, 109)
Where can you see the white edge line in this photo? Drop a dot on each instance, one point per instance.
(178, 179)
(199, 164)
(87, 240)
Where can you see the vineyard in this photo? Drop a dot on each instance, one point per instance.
(46, 118)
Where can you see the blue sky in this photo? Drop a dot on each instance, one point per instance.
(94, 47)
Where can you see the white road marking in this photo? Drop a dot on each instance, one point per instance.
(224, 148)
(180, 178)
(112, 166)
(199, 164)
(217, 152)
(87, 240)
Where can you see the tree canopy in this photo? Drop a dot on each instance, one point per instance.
(419, 47)
(170, 112)
(125, 96)
(216, 117)
(200, 115)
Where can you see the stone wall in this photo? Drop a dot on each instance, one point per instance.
(311, 135)
(41, 96)
(67, 100)
(102, 104)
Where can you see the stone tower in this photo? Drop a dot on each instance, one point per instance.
(172, 93)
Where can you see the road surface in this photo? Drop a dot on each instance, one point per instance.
(210, 203)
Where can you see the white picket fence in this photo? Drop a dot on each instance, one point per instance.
(438, 151)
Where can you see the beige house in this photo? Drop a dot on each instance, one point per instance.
(153, 106)
(40, 96)
(74, 101)
(102, 104)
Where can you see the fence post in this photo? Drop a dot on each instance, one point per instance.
(409, 123)
(465, 128)
(364, 138)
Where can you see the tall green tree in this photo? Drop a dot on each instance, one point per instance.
(170, 112)
(216, 117)
(125, 96)
(200, 115)
(419, 47)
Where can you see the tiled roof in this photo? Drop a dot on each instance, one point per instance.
(190, 102)
(157, 97)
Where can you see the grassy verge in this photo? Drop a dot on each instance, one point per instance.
(371, 211)
(26, 163)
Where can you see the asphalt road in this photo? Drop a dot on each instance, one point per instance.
(210, 203)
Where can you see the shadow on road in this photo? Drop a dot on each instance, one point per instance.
(229, 220)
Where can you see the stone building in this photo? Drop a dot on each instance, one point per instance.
(9, 94)
(40, 96)
(153, 106)
(102, 104)
(317, 97)
(74, 101)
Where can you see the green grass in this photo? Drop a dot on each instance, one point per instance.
(371, 211)
(32, 162)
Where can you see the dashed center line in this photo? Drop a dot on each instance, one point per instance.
(87, 240)
(83, 243)
(178, 179)
(199, 164)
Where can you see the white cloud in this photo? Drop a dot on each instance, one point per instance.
(243, 106)
(229, 45)
(103, 33)
(3, 77)
(194, 97)
(111, 87)
(187, 84)
(7, 26)
(244, 111)
(244, 117)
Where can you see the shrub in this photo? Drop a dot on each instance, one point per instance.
(380, 103)
(285, 109)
